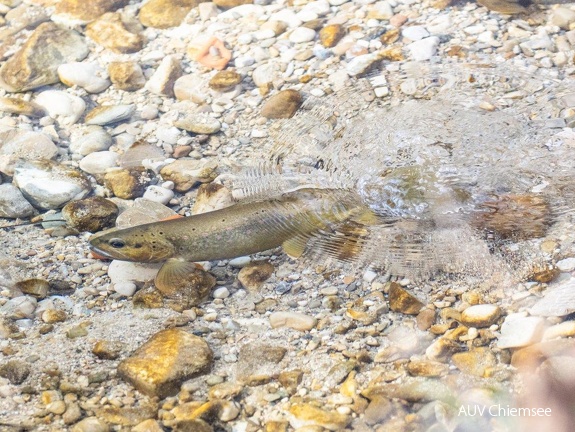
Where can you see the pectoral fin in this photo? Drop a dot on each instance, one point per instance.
(173, 274)
(295, 247)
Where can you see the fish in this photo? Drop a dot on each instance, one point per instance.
(336, 218)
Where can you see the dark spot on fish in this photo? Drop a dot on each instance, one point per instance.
(138, 245)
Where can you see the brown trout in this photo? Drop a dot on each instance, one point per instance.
(289, 220)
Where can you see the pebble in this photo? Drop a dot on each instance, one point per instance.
(480, 315)
(518, 330)
(61, 106)
(199, 123)
(123, 271)
(187, 173)
(240, 262)
(35, 64)
(253, 275)
(165, 361)
(224, 81)
(112, 32)
(563, 17)
(99, 162)
(126, 75)
(294, 320)
(162, 82)
(414, 33)
(19, 307)
(127, 183)
(282, 105)
(402, 301)
(37, 288)
(13, 204)
(76, 12)
(561, 330)
(210, 197)
(301, 35)
(21, 106)
(566, 265)
(49, 185)
(109, 114)
(305, 415)
(126, 289)
(221, 293)
(165, 13)
(331, 34)
(15, 371)
(91, 424)
(381, 10)
(557, 301)
(158, 194)
(478, 361)
(51, 316)
(423, 49)
(107, 350)
(90, 139)
(191, 87)
(90, 76)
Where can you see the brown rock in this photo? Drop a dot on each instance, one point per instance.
(127, 183)
(225, 390)
(15, 371)
(91, 424)
(127, 76)
(255, 274)
(482, 315)
(282, 105)
(258, 362)
(196, 425)
(411, 389)
(330, 35)
(37, 288)
(425, 319)
(167, 359)
(107, 350)
(379, 409)
(276, 426)
(228, 4)
(163, 79)
(310, 415)
(210, 197)
(187, 173)
(478, 361)
(427, 368)
(127, 415)
(165, 13)
(225, 80)
(507, 7)
(402, 301)
(291, 380)
(149, 425)
(442, 348)
(86, 11)
(148, 298)
(113, 33)
(90, 214)
(36, 63)
(51, 316)
(22, 107)
(189, 291)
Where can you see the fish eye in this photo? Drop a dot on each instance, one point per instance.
(117, 243)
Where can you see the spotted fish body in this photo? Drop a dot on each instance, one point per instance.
(241, 229)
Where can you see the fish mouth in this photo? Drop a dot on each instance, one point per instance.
(102, 253)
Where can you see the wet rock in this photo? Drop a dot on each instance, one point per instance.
(380, 10)
(16, 145)
(225, 80)
(37, 288)
(199, 123)
(91, 214)
(77, 331)
(36, 63)
(253, 276)
(519, 330)
(112, 32)
(91, 424)
(301, 415)
(425, 319)
(127, 183)
(148, 298)
(411, 390)
(291, 380)
(196, 425)
(529, 358)
(402, 301)
(556, 301)
(15, 371)
(90, 139)
(19, 307)
(90, 76)
(21, 107)
(127, 415)
(13, 204)
(563, 17)
(442, 348)
(508, 7)
(143, 211)
(165, 13)
(149, 425)
(480, 315)
(167, 359)
(138, 152)
(228, 4)
(187, 173)
(49, 185)
(331, 34)
(339, 372)
(294, 320)
(223, 410)
(73, 413)
(51, 316)
(427, 368)
(566, 265)
(80, 12)
(189, 291)
(190, 87)
(423, 49)
(478, 361)
(258, 362)
(99, 162)
(282, 105)
(225, 390)
(162, 82)
(61, 106)
(210, 197)
(127, 75)
(561, 330)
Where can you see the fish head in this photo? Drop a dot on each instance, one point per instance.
(137, 244)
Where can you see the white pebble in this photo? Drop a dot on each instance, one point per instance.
(302, 34)
(518, 331)
(158, 194)
(62, 106)
(294, 320)
(221, 293)
(169, 135)
(125, 288)
(566, 265)
(423, 49)
(90, 76)
(99, 162)
(415, 33)
(240, 262)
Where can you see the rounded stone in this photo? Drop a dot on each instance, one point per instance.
(282, 105)
(91, 214)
